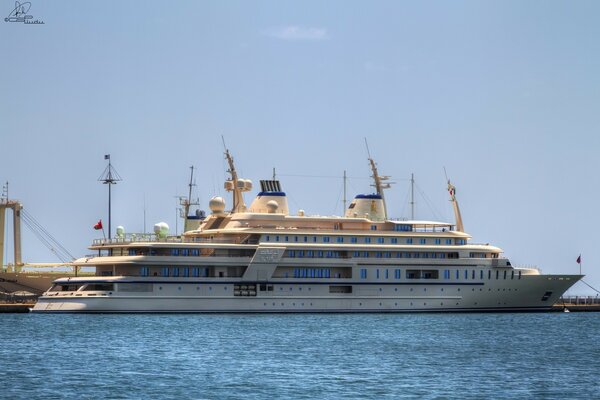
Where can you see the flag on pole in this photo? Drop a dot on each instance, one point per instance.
(579, 259)
(98, 226)
(107, 156)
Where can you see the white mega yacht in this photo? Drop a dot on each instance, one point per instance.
(263, 259)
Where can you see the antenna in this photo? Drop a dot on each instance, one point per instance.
(234, 184)
(412, 196)
(109, 177)
(457, 215)
(344, 200)
(378, 180)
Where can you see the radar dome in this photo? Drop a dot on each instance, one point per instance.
(161, 229)
(217, 204)
(120, 231)
(272, 206)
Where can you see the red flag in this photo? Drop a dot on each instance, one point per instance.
(579, 259)
(98, 225)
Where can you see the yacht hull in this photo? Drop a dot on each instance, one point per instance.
(531, 293)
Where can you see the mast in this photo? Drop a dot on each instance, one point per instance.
(457, 216)
(234, 185)
(412, 196)
(186, 205)
(109, 177)
(344, 200)
(378, 180)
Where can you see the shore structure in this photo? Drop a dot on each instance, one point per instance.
(261, 258)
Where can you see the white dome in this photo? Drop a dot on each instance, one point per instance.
(217, 204)
(272, 206)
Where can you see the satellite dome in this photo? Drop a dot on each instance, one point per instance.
(272, 206)
(120, 231)
(161, 229)
(217, 204)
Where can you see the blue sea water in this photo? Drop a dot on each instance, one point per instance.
(328, 356)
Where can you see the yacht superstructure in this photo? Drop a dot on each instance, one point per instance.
(260, 258)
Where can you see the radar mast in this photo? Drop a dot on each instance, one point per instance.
(457, 216)
(378, 181)
(235, 184)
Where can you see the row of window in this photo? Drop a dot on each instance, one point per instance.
(312, 273)
(367, 254)
(434, 274)
(353, 239)
(173, 252)
(196, 272)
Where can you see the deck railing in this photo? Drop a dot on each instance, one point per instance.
(147, 237)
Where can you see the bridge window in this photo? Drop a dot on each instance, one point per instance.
(363, 273)
(185, 271)
(340, 239)
(380, 240)
(448, 241)
(367, 240)
(438, 241)
(397, 273)
(409, 241)
(447, 274)
(373, 227)
(423, 241)
(325, 239)
(353, 240)
(144, 271)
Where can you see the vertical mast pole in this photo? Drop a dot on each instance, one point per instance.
(109, 177)
(344, 210)
(412, 196)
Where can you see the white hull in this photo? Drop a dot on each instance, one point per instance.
(184, 295)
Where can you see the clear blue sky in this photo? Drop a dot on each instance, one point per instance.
(504, 94)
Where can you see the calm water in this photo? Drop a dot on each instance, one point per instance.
(300, 356)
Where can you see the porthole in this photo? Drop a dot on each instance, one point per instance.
(424, 289)
(396, 304)
(179, 288)
(273, 303)
(411, 303)
(459, 289)
(197, 287)
(380, 304)
(442, 289)
(265, 304)
(160, 288)
(396, 289)
(411, 289)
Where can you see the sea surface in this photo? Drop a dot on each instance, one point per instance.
(284, 356)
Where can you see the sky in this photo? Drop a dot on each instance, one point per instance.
(505, 95)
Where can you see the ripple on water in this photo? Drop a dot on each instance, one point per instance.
(300, 356)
